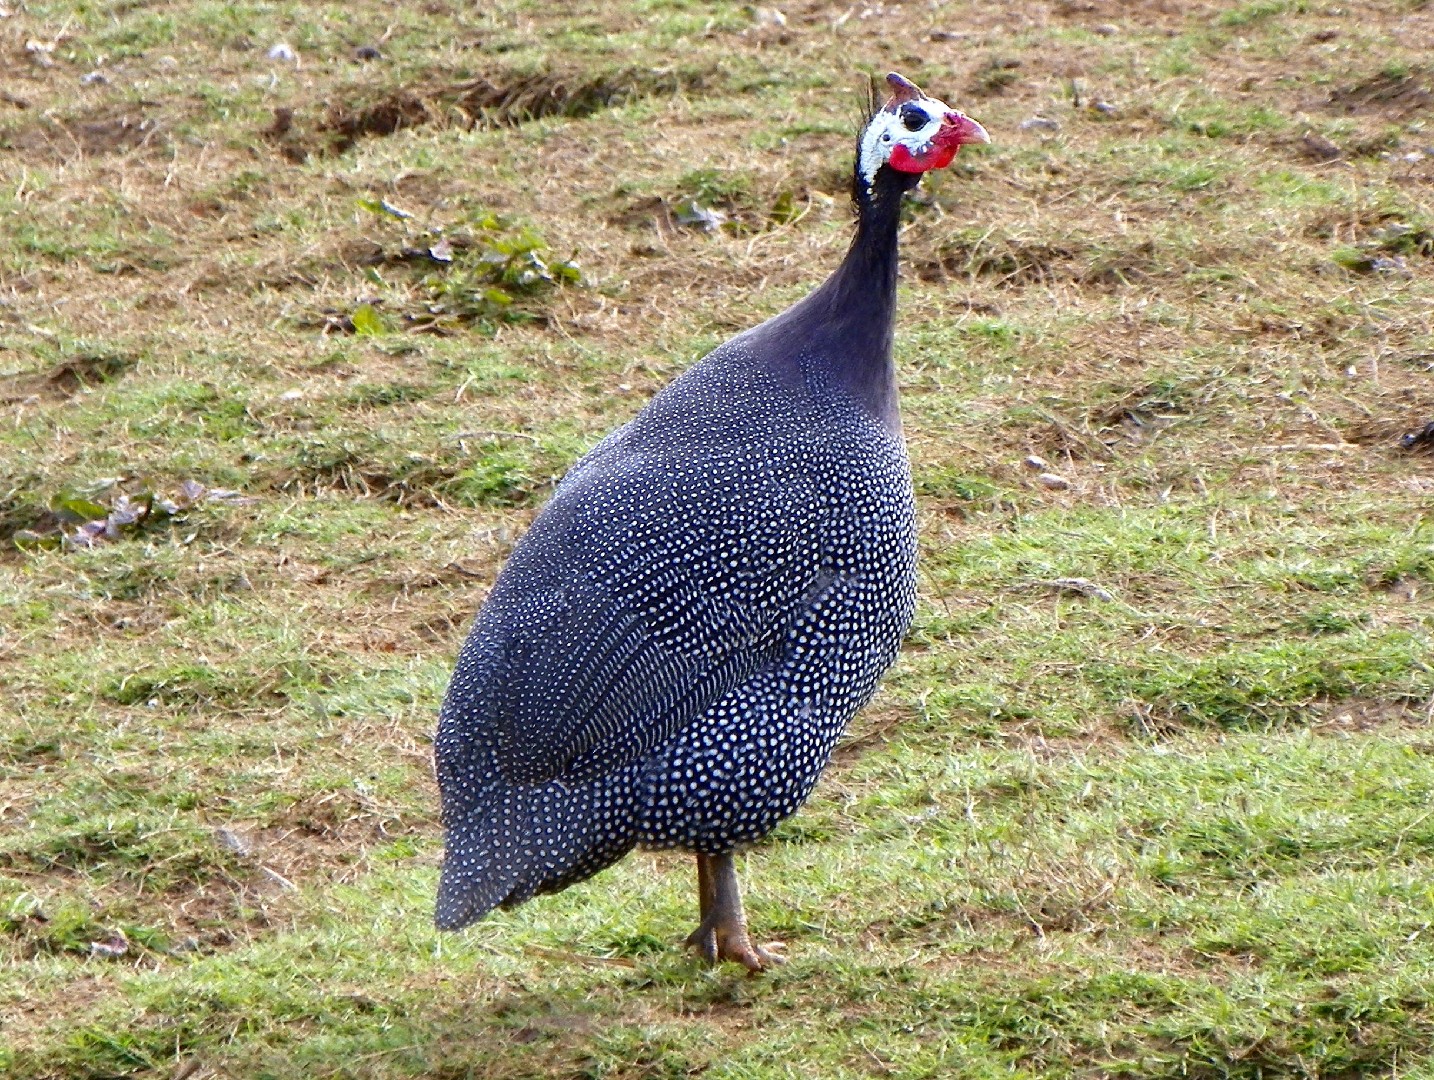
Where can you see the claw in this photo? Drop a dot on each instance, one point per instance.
(704, 941)
(716, 943)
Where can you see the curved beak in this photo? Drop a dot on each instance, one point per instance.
(961, 129)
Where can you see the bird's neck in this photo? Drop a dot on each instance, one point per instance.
(856, 307)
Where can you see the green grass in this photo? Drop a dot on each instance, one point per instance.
(1147, 792)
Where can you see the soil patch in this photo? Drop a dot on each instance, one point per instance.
(101, 132)
(1387, 92)
(65, 379)
(486, 101)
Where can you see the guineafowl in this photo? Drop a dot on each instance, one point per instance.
(675, 646)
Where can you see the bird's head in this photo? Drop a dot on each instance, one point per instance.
(913, 133)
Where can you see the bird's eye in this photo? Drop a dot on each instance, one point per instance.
(915, 119)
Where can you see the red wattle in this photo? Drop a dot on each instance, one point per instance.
(938, 156)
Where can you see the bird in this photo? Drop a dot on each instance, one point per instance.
(675, 645)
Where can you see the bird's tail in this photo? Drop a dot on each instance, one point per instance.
(523, 840)
(484, 857)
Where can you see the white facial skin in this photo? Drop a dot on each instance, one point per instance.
(888, 129)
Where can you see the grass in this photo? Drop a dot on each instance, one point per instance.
(1147, 792)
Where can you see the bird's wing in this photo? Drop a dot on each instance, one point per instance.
(641, 594)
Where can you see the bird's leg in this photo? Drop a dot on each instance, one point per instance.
(722, 934)
(705, 898)
(702, 938)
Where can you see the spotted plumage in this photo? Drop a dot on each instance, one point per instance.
(672, 651)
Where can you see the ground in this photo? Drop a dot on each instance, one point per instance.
(303, 308)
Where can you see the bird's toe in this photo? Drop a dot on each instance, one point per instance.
(755, 958)
(703, 941)
(716, 943)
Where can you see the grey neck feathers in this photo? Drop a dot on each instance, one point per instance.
(842, 332)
